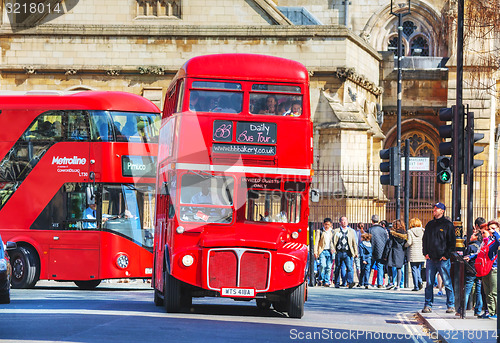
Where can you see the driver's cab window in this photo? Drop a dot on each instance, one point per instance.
(206, 198)
(128, 209)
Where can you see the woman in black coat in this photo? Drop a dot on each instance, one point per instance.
(397, 253)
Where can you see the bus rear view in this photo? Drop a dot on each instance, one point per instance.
(234, 174)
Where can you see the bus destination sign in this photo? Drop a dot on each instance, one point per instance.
(139, 166)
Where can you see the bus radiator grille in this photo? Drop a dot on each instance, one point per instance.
(225, 264)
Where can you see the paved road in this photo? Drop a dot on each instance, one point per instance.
(126, 313)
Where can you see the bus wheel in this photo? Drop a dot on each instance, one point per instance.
(296, 302)
(24, 267)
(171, 294)
(157, 298)
(263, 304)
(89, 284)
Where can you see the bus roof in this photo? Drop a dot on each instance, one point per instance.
(245, 67)
(89, 100)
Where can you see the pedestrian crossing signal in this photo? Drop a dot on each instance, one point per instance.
(443, 169)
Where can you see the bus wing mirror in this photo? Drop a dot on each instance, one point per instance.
(164, 189)
(314, 195)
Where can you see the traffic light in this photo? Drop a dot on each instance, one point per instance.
(471, 139)
(443, 171)
(393, 167)
(450, 131)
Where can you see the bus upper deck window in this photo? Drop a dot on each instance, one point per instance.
(276, 104)
(223, 97)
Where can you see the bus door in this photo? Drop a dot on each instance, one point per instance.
(74, 247)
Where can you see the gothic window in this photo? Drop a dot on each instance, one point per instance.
(393, 45)
(419, 46)
(159, 8)
(415, 39)
(408, 28)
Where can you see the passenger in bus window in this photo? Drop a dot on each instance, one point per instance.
(236, 102)
(295, 110)
(270, 106)
(80, 131)
(56, 129)
(44, 129)
(130, 127)
(283, 108)
(223, 105)
(194, 101)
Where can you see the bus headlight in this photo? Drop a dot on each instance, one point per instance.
(122, 261)
(187, 260)
(289, 266)
(295, 235)
(180, 230)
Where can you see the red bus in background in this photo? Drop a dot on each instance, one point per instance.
(233, 181)
(77, 174)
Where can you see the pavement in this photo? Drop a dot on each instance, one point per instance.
(447, 327)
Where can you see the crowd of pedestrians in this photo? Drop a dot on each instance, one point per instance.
(378, 254)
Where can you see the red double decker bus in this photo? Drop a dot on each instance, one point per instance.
(77, 176)
(233, 181)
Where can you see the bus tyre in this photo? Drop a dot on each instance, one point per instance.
(89, 284)
(25, 269)
(157, 298)
(296, 301)
(171, 294)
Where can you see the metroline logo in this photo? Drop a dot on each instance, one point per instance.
(68, 160)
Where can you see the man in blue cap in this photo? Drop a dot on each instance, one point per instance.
(438, 245)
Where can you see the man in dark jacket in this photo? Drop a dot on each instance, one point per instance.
(438, 245)
(379, 238)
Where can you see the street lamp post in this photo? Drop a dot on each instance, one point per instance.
(403, 9)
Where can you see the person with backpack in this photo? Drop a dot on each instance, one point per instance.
(486, 265)
(470, 273)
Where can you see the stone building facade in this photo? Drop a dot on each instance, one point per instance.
(348, 48)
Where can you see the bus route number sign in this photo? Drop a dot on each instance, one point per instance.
(238, 292)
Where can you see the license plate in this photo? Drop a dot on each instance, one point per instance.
(238, 292)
